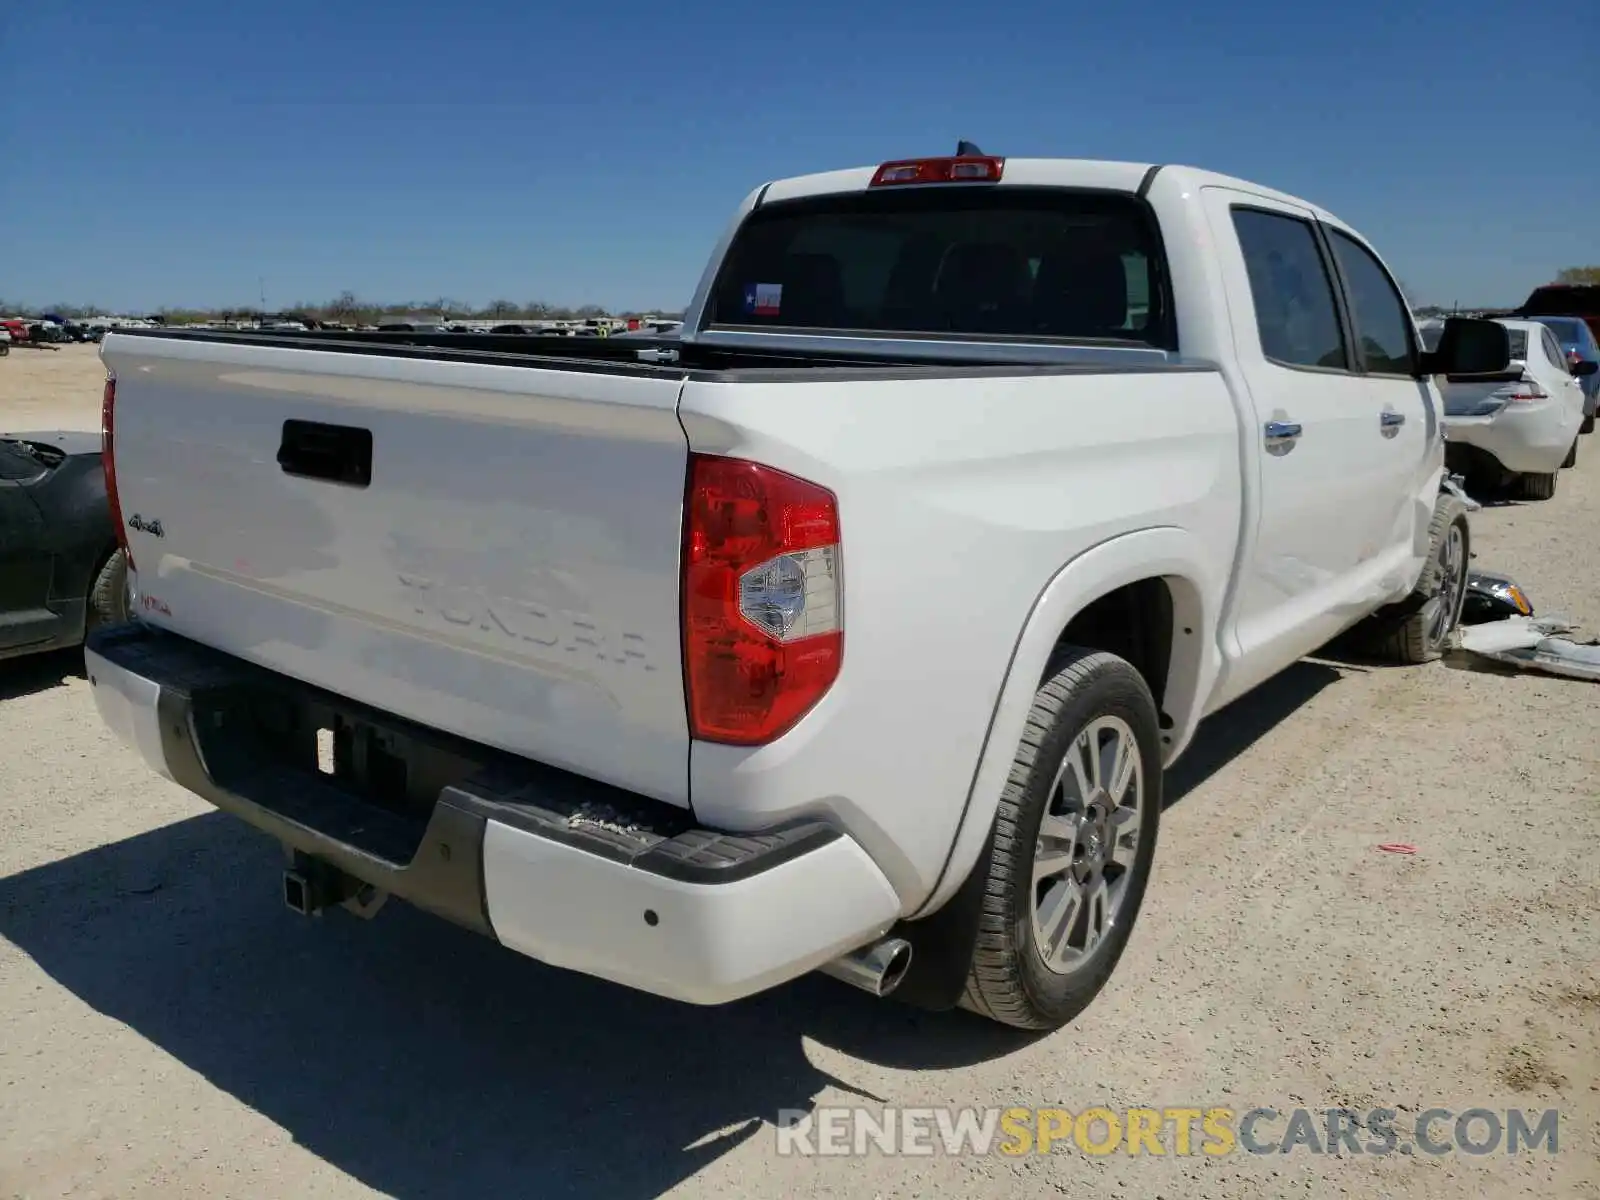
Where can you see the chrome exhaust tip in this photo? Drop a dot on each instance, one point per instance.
(877, 968)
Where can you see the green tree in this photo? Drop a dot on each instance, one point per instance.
(1578, 275)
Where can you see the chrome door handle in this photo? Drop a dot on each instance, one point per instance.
(1282, 434)
(1391, 420)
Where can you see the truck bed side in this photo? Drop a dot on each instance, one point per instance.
(960, 500)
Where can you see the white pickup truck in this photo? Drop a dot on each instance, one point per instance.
(850, 629)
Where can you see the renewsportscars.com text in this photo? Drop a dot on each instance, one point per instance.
(1178, 1131)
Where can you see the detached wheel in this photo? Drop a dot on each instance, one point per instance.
(111, 601)
(1422, 635)
(1536, 487)
(1073, 840)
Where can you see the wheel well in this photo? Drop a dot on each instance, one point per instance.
(1134, 622)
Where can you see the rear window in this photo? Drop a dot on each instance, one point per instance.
(1030, 263)
(1567, 331)
(1560, 298)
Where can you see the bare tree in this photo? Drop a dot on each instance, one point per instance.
(344, 305)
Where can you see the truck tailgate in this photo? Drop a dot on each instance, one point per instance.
(509, 572)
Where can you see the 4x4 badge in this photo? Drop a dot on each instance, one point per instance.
(153, 528)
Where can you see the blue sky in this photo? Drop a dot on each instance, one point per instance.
(174, 153)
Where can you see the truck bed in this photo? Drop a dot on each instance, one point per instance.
(482, 534)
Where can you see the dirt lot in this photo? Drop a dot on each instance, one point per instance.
(171, 1030)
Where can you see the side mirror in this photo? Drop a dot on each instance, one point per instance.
(1585, 366)
(1469, 346)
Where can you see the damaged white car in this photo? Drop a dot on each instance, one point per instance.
(1517, 427)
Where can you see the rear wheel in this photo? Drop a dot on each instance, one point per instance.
(1072, 844)
(1571, 460)
(111, 602)
(1536, 487)
(1588, 424)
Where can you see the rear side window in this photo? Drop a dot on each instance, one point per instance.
(1381, 319)
(1027, 263)
(1290, 289)
(1519, 343)
(1552, 349)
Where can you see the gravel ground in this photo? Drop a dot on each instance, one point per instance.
(171, 1030)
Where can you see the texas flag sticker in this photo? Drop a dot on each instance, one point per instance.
(763, 299)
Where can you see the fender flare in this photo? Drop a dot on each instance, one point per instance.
(1171, 553)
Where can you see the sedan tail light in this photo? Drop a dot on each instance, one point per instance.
(1524, 391)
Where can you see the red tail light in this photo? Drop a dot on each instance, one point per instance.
(108, 460)
(970, 168)
(763, 628)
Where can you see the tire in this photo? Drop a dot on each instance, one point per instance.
(1422, 636)
(1089, 694)
(109, 602)
(1536, 487)
(1571, 460)
(1588, 424)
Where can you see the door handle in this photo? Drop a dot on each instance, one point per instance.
(1282, 435)
(1391, 420)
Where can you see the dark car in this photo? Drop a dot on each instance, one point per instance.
(61, 573)
(1565, 300)
(1579, 344)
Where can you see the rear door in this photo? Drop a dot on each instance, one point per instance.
(1403, 437)
(1326, 492)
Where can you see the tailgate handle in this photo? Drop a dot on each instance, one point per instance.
(334, 453)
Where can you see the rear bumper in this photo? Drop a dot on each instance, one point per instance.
(1531, 440)
(563, 869)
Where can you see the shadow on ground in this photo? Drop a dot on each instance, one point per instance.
(1225, 735)
(424, 1060)
(38, 672)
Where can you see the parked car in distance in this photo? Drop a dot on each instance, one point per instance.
(5, 341)
(554, 642)
(1519, 426)
(1565, 300)
(1579, 344)
(60, 570)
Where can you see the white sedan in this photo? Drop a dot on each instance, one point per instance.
(1520, 426)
